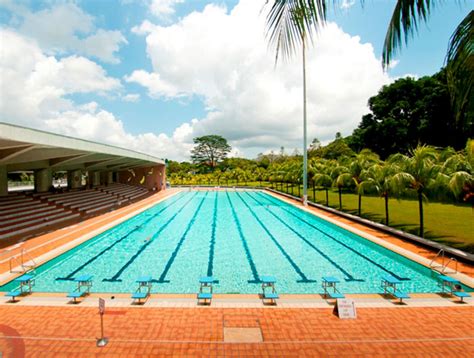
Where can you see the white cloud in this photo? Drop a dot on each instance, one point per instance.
(223, 57)
(347, 4)
(393, 64)
(66, 28)
(163, 8)
(144, 28)
(131, 97)
(36, 97)
(37, 83)
(152, 81)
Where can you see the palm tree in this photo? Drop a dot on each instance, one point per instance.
(342, 178)
(418, 172)
(294, 174)
(260, 174)
(457, 174)
(290, 22)
(357, 164)
(378, 178)
(323, 178)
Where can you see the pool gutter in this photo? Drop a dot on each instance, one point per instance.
(464, 256)
(463, 278)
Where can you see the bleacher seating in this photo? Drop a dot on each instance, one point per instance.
(23, 215)
(27, 215)
(126, 191)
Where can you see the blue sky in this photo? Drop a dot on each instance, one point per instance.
(146, 82)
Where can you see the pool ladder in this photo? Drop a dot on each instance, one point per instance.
(441, 268)
(28, 265)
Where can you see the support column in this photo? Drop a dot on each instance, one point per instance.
(163, 177)
(110, 177)
(94, 178)
(43, 180)
(3, 180)
(74, 179)
(159, 177)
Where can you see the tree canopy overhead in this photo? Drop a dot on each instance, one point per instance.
(210, 150)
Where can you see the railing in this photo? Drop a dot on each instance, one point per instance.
(443, 266)
(30, 264)
(11, 263)
(26, 266)
(452, 259)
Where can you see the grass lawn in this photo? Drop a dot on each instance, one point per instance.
(449, 224)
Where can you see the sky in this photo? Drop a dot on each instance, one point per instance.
(151, 75)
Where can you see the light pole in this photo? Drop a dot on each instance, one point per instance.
(305, 152)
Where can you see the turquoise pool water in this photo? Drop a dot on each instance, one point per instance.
(237, 237)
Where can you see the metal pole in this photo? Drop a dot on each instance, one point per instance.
(102, 341)
(305, 154)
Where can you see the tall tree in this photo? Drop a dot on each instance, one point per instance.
(322, 176)
(460, 72)
(408, 112)
(290, 23)
(342, 179)
(378, 178)
(357, 165)
(210, 150)
(418, 172)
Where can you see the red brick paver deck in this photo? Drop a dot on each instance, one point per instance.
(71, 331)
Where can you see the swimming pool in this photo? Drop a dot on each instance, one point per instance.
(237, 237)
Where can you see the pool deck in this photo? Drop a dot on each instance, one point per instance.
(234, 325)
(245, 332)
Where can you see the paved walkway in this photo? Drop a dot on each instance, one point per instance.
(195, 332)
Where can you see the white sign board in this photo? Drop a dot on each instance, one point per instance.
(345, 308)
(101, 305)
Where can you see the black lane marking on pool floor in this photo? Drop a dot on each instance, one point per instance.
(253, 268)
(70, 277)
(116, 277)
(278, 245)
(210, 263)
(162, 278)
(340, 242)
(348, 278)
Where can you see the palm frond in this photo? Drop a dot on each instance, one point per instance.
(458, 181)
(460, 66)
(288, 21)
(405, 18)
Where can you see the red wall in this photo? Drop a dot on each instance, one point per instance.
(148, 177)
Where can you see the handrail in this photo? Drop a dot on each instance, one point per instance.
(440, 253)
(31, 259)
(10, 263)
(443, 266)
(452, 259)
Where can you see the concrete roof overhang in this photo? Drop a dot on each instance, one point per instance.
(24, 148)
